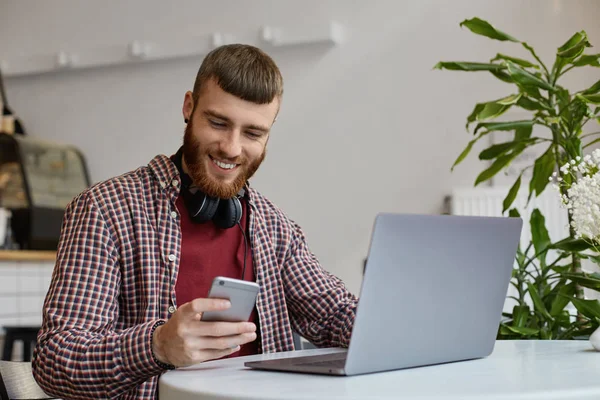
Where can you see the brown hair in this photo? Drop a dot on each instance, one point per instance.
(241, 70)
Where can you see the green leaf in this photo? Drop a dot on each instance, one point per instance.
(590, 98)
(496, 166)
(539, 234)
(595, 88)
(574, 47)
(573, 146)
(560, 268)
(563, 319)
(503, 76)
(512, 194)
(532, 91)
(560, 302)
(518, 61)
(520, 315)
(563, 97)
(542, 170)
(514, 213)
(532, 105)
(587, 280)
(468, 66)
(492, 110)
(465, 152)
(545, 334)
(588, 59)
(525, 78)
(571, 245)
(523, 132)
(497, 149)
(484, 28)
(504, 126)
(522, 330)
(589, 308)
(509, 100)
(473, 116)
(537, 301)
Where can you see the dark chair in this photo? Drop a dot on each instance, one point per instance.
(26, 334)
(16, 382)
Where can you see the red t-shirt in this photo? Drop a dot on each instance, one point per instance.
(208, 251)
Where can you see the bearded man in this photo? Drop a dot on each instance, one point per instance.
(138, 252)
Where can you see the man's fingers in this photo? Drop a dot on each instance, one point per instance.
(217, 329)
(214, 354)
(198, 306)
(227, 342)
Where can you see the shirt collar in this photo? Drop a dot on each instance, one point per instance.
(165, 172)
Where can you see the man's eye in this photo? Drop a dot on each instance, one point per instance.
(217, 124)
(253, 135)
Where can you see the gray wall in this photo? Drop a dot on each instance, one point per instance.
(366, 126)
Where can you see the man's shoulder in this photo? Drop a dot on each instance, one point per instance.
(119, 188)
(269, 210)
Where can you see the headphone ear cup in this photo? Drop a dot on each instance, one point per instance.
(229, 213)
(201, 208)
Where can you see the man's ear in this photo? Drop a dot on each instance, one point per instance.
(188, 106)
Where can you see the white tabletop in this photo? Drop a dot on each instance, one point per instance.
(515, 370)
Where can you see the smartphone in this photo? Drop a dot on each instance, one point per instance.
(241, 294)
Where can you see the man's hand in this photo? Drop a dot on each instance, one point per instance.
(185, 339)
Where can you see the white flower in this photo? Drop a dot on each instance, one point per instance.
(583, 202)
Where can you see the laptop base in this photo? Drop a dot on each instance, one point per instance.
(326, 364)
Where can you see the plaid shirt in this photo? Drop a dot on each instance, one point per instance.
(115, 275)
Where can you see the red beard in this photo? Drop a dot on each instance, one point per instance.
(195, 157)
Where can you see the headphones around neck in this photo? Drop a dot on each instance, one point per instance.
(225, 213)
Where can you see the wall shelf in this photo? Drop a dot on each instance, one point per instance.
(139, 51)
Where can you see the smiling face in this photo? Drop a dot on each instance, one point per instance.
(225, 139)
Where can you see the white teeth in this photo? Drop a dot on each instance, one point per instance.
(223, 165)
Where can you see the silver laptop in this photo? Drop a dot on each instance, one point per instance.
(433, 292)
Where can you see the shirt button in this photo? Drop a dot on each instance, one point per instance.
(175, 183)
(171, 309)
(163, 184)
(174, 214)
(171, 257)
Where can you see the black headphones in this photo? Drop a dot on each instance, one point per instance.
(225, 213)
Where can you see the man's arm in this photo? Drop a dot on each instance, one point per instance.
(79, 354)
(322, 309)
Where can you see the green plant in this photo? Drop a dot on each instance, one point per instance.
(536, 90)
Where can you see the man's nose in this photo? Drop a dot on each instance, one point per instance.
(231, 145)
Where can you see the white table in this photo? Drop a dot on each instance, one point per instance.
(515, 370)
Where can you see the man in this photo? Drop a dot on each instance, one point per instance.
(134, 264)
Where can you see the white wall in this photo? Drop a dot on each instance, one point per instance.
(367, 126)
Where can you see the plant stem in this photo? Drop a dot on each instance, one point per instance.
(574, 326)
(590, 134)
(565, 71)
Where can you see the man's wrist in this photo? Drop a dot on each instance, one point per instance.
(156, 347)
